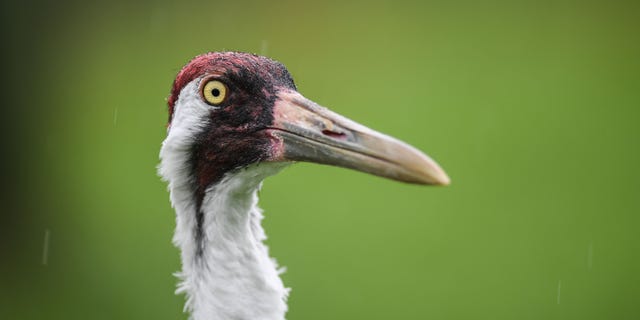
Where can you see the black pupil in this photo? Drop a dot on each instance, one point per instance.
(215, 92)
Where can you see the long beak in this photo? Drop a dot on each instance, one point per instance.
(308, 132)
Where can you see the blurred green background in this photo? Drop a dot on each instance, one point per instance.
(532, 107)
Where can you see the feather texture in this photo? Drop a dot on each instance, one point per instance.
(233, 276)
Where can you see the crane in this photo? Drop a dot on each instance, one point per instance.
(234, 119)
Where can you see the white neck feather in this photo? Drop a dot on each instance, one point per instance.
(232, 277)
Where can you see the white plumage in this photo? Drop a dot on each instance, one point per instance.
(236, 279)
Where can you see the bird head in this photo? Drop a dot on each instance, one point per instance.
(230, 110)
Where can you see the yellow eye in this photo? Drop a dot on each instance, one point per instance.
(214, 92)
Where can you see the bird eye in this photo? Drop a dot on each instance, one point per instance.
(214, 92)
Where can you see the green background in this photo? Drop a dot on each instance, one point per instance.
(532, 107)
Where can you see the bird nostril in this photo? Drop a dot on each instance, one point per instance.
(333, 134)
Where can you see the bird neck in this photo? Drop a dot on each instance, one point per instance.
(226, 269)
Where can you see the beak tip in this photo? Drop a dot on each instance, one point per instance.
(440, 179)
(443, 180)
(432, 174)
